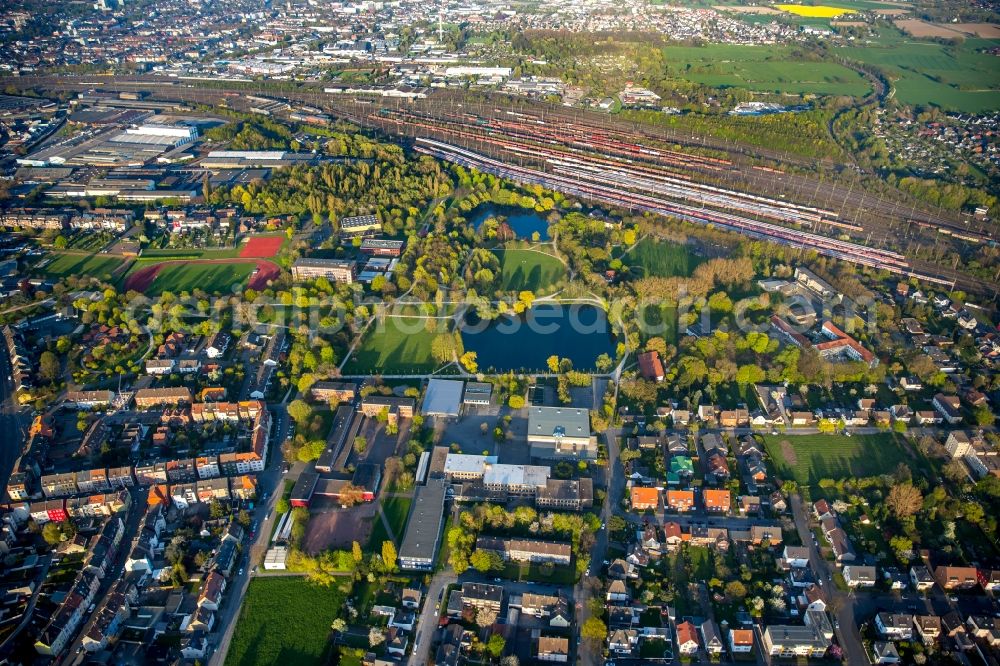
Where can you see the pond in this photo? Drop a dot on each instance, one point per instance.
(580, 333)
(523, 221)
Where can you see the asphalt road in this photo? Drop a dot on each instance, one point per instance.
(841, 604)
(270, 482)
(13, 421)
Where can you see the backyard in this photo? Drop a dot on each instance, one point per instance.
(808, 458)
(284, 620)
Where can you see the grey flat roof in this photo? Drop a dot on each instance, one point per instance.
(569, 421)
(444, 397)
(423, 529)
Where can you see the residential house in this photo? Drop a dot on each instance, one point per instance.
(859, 576)
(949, 406)
(794, 641)
(741, 641)
(553, 648)
(928, 627)
(643, 499)
(717, 501)
(687, 639)
(680, 500)
(921, 578)
(956, 578)
(711, 638)
(894, 626)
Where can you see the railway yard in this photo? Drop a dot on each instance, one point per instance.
(760, 193)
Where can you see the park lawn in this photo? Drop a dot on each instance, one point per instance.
(211, 278)
(394, 345)
(658, 258)
(284, 620)
(808, 458)
(529, 270)
(761, 68)
(92, 265)
(928, 73)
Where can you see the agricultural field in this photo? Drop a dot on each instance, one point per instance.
(814, 11)
(809, 458)
(654, 258)
(82, 265)
(761, 68)
(284, 620)
(395, 345)
(928, 73)
(529, 269)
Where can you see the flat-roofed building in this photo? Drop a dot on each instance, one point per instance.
(560, 433)
(477, 393)
(569, 494)
(465, 467)
(794, 641)
(360, 224)
(443, 397)
(382, 247)
(335, 270)
(423, 529)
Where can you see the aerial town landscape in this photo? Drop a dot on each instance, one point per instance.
(499, 332)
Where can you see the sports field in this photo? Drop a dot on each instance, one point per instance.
(655, 258)
(927, 73)
(284, 620)
(809, 458)
(761, 68)
(82, 265)
(212, 276)
(529, 269)
(264, 246)
(396, 345)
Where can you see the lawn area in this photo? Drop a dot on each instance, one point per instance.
(656, 258)
(395, 345)
(761, 68)
(561, 574)
(396, 510)
(809, 458)
(93, 265)
(928, 73)
(529, 269)
(284, 620)
(814, 11)
(161, 254)
(208, 277)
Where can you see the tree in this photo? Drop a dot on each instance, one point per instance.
(339, 625)
(52, 534)
(389, 555)
(48, 366)
(485, 561)
(515, 401)
(282, 506)
(444, 347)
(486, 617)
(736, 590)
(553, 363)
(300, 411)
(375, 637)
(360, 444)
(495, 645)
(603, 363)
(356, 551)
(904, 500)
(216, 510)
(350, 495)
(593, 629)
(983, 415)
(955, 471)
